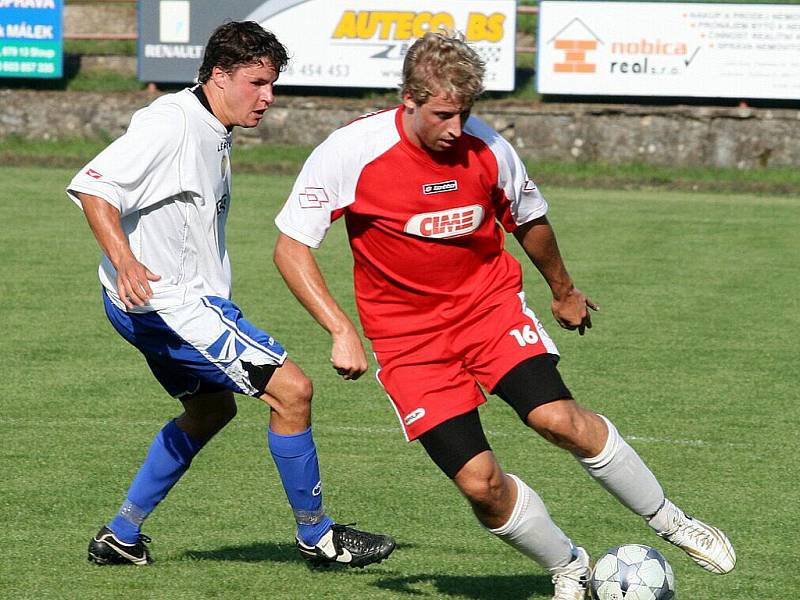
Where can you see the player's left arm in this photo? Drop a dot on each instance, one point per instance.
(570, 306)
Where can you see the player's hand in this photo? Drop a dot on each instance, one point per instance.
(348, 356)
(133, 282)
(571, 311)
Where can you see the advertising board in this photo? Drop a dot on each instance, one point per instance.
(31, 38)
(669, 49)
(332, 43)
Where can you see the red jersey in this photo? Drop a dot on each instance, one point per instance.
(426, 229)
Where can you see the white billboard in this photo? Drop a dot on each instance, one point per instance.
(669, 49)
(362, 44)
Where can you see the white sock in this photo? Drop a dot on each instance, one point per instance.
(666, 517)
(620, 470)
(530, 530)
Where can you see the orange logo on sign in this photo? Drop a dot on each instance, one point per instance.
(575, 40)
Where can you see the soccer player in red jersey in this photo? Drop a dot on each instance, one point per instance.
(426, 192)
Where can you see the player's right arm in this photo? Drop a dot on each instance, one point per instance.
(300, 270)
(133, 278)
(322, 192)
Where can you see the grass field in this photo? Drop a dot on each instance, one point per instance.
(692, 355)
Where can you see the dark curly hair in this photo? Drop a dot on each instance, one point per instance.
(241, 43)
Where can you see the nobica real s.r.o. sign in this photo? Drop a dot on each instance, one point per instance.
(738, 51)
(332, 43)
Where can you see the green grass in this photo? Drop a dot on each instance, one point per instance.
(692, 355)
(103, 80)
(101, 47)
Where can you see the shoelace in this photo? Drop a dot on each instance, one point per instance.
(353, 538)
(700, 534)
(144, 538)
(566, 587)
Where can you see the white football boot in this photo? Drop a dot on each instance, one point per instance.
(572, 581)
(706, 545)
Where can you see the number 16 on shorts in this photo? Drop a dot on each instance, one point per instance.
(527, 336)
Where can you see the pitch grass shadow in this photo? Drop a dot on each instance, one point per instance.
(505, 587)
(499, 587)
(258, 552)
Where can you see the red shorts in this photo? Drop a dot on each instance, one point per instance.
(436, 377)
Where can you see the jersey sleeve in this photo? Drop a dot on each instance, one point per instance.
(142, 167)
(318, 192)
(518, 199)
(521, 199)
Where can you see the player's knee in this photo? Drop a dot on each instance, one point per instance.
(302, 391)
(562, 422)
(485, 490)
(483, 483)
(296, 397)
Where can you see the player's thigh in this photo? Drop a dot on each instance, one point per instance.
(535, 387)
(205, 414)
(427, 385)
(220, 404)
(497, 340)
(454, 445)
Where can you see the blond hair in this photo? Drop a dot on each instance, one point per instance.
(442, 62)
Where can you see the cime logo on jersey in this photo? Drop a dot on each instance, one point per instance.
(446, 223)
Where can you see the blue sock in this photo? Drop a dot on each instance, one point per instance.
(169, 456)
(295, 457)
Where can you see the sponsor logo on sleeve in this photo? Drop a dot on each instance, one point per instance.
(94, 174)
(453, 222)
(440, 187)
(313, 197)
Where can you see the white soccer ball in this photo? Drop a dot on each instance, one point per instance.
(632, 572)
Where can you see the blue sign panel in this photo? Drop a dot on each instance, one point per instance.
(31, 38)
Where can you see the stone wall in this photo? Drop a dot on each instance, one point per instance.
(100, 18)
(678, 135)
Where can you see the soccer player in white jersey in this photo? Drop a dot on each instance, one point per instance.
(426, 191)
(157, 200)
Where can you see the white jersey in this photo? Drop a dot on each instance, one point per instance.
(169, 177)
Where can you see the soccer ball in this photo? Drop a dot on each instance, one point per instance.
(632, 572)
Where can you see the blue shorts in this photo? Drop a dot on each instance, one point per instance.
(203, 346)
